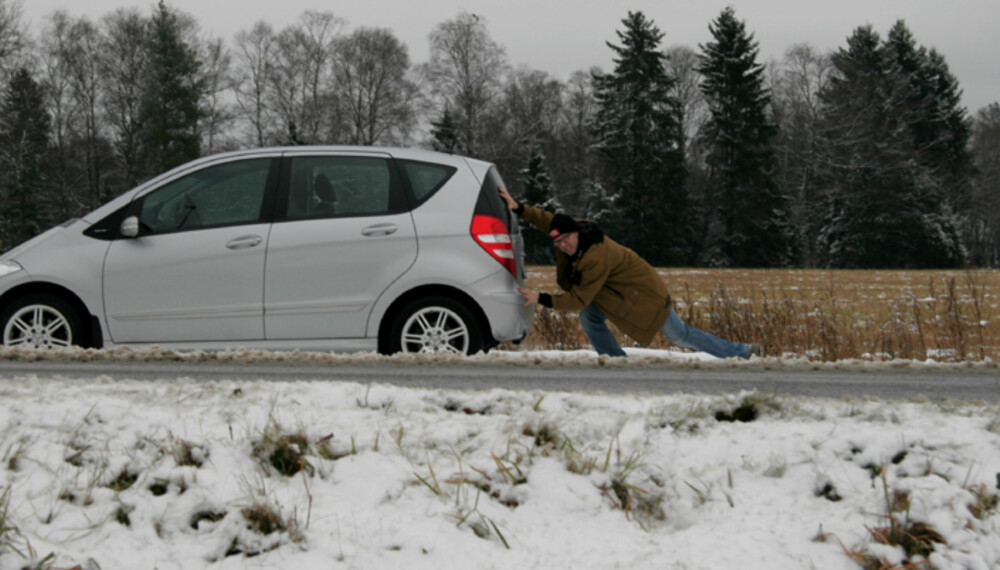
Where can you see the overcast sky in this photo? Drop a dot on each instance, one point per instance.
(562, 36)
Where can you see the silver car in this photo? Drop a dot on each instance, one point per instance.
(317, 248)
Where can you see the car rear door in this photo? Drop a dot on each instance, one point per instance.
(343, 235)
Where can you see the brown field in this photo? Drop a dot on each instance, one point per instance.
(820, 314)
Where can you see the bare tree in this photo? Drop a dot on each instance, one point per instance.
(532, 104)
(682, 65)
(984, 227)
(575, 166)
(301, 89)
(252, 80)
(219, 112)
(69, 55)
(796, 82)
(13, 37)
(466, 72)
(123, 59)
(377, 97)
(523, 119)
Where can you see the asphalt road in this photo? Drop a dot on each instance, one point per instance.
(959, 384)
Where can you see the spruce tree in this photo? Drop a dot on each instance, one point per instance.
(172, 92)
(884, 206)
(750, 215)
(24, 141)
(538, 192)
(639, 130)
(940, 127)
(445, 133)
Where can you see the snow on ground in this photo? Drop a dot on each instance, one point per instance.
(186, 474)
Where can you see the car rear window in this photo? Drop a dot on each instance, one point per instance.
(489, 202)
(338, 186)
(426, 178)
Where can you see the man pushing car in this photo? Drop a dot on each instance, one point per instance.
(602, 279)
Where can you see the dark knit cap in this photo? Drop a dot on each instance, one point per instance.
(562, 224)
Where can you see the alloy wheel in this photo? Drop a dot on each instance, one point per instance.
(435, 329)
(38, 326)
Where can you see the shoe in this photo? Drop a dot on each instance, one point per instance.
(756, 350)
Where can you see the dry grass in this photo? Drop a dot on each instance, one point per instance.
(820, 314)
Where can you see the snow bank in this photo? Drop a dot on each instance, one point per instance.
(185, 474)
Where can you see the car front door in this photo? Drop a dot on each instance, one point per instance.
(346, 234)
(196, 270)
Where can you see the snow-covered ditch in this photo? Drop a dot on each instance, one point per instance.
(192, 474)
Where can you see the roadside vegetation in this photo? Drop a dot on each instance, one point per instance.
(822, 315)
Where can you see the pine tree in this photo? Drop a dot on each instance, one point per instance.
(750, 214)
(444, 133)
(24, 142)
(597, 204)
(940, 127)
(538, 192)
(639, 129)
(172, 91)
(884, 206)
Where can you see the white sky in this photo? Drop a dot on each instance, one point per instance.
(562, 36)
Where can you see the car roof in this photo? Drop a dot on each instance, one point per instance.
(479, 167)
(396, 152)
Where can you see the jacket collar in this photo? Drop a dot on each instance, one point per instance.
(590, 234)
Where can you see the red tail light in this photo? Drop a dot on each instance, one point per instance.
(491, 234)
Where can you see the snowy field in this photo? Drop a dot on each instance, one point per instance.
(186, 474)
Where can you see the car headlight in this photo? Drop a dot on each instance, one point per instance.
(8, 267)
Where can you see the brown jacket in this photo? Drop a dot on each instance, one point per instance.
(614, 278)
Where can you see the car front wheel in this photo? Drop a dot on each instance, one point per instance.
(41, 321)
(435, 324)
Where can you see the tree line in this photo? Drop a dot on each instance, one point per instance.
(704, 156)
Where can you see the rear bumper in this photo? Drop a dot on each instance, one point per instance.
(514, 320)
(509, 319)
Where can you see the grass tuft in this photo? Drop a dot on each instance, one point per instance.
(188, 454)
(263, 519)
(122, 515)
(984, 502)
(206, 516)
(287, 452)
(123, 481)
(829, 492)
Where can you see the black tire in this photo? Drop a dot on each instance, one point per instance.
(435, 324)
(41, 321)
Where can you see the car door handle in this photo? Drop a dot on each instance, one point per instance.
(379, 230)
(244, 242)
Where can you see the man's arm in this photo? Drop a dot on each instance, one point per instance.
(593, 274)
(534, 216)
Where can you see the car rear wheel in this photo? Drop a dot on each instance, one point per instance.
(435, 324)
(41, 321)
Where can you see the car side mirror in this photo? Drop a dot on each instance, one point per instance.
(129, 227)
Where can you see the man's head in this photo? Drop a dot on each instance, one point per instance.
(565, 233)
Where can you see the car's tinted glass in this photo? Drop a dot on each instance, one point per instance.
(225, 194)
(325, 186)
(490, 202)
(426, 178)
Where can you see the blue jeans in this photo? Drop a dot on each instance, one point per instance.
(595, 325)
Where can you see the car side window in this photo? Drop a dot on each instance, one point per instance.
(328, 186)
(221, 195)
(426, 179)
